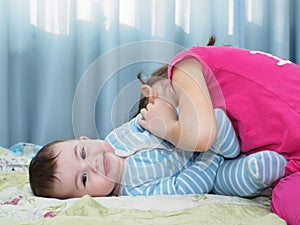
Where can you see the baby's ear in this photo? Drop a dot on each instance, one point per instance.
(84, 138)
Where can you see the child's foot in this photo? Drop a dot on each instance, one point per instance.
(265, 167)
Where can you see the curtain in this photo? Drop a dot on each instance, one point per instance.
(68, 67)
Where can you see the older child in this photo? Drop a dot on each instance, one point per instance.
(233, 174)
(260, 94)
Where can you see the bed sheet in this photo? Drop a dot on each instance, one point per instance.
(19, 206)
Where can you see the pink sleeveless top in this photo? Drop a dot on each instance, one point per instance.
(259, 92)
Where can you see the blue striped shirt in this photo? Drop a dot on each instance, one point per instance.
(154, 166)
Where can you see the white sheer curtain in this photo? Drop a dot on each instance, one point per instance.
(49, 47)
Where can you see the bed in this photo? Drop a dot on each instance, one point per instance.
(19, 206)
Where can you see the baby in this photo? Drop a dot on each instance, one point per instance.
(132, 161)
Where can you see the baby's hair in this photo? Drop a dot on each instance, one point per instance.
(42, 170)
(159, 74)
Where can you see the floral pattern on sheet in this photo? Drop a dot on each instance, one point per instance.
(21, 204)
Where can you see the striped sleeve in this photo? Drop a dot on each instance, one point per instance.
(227, 143)
(197, 178)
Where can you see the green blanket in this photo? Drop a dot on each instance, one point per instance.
(87, 210)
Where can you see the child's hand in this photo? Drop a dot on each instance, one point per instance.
(158, 118)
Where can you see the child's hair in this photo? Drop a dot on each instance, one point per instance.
(42, 169)
(159, 74)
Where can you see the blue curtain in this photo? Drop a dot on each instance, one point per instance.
(68, 67)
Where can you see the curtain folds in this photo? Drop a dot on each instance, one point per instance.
(68, 67)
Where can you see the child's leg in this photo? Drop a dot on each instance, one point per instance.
(247, 175)
(286, 199)
(226, 144)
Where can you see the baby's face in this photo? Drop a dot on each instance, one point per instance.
(86, 167)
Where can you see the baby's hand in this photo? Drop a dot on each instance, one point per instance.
(158, 118)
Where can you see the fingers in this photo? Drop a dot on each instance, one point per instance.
(149, 106)
(144, 113)
(148, 113)
(143, 123)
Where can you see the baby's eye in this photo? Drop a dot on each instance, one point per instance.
(84, 179)
(82, 153)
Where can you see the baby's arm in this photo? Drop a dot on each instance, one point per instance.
(227, 143)
(249, 175)
(197, 178)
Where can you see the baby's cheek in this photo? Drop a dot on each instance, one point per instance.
(107, 147)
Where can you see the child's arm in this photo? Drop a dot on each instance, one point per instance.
(195, 128)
